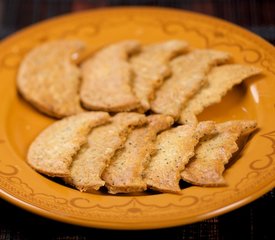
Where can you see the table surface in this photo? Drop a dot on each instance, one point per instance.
(253, 221)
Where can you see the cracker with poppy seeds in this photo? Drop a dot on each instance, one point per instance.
(174, 149)
(96, 155)
(151, 67)
(219, 81)
(207, 166)
(107, 79)
(53, 150)
(188, 76)
(124, 174)
(50, 80)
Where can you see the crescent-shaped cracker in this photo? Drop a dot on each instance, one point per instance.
(188, 76)
(207, 166)
(49, 80)
(125, 171)
(103, 142)
(151, 67)
(174, 149)
(219, 81)
(107, 79)
(52, 151)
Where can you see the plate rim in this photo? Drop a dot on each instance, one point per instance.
(121, 226)
(134, 8)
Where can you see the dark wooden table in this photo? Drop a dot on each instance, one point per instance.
(253, 221)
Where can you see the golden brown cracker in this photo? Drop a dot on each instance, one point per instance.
(207, 166)
(52, 151)
(49, 80)
(107, 79)
(188, 76)
(89, 164)
(220, 80)
(151, 66)
(125, 171)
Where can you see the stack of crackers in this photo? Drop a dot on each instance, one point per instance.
(128, 114)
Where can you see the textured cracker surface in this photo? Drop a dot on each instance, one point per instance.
(204, 128)
(125, 171)
(220, 80)
(49, 80)
(52, 151)
(188, 76)
(90, 162)
(175, 147)
(163, 171)
(207, 166)
(107, 79)
(151, 66)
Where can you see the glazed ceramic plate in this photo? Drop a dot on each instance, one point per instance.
(248, 178)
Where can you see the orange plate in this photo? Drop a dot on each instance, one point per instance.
(248, 178)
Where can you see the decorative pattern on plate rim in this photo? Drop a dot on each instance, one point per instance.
(218, 36)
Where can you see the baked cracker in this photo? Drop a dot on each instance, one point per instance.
(151, 67)
(188, 76)
(124, 174)
(174, 149)
(207, 166)
(53, 149)
(103, 142)
(220, 80)
(107, 79)
(49, 80)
